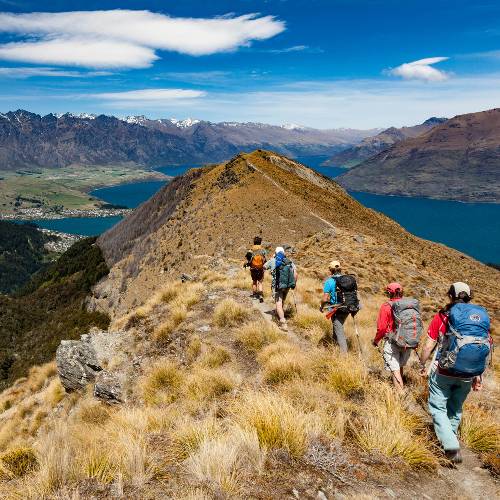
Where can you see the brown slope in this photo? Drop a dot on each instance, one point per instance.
(371, 146)
(212, 213)
(458, 160)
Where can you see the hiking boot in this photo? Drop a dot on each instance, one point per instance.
(454, 456)
(261, 299)
(254, 296)
(283, 326)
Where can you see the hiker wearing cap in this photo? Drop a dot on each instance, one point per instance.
(256, 258)
(400, 326)
(461, 333)
(332, 300)
(284, 278)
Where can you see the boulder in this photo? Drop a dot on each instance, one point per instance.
(108, 388)
(77, 363)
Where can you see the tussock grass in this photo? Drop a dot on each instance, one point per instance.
(309, 291)
(171, 291)
(205, 384)
(479, 430)
(215, 357)
(258, 334)
(283, 361)
(54, 393)
(308, 319)
(187, 437)
(18, 461)
(388, 428)
(276, 421)
(229, 313)
(163, 332)
(346, 374)
(194, 348)
(39, 375)
(224, 461)
(92, 412)
(162, 383)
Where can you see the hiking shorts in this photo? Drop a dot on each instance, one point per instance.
(257, 274)
(280, 294)
(395, 357)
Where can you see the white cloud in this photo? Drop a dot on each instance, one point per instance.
(149, 95)
(125, 38)
(28, 72)
(421, 70)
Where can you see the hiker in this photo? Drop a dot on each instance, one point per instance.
(256, 258)
(341, 298)
(284, 278)
(461, 333)
(400, 325)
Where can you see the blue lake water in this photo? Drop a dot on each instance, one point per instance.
(472, 228)
(86, 226)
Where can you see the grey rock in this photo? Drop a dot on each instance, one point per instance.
(289, 248)
(186, 277)
(77, 363)
(295, 493)
(359, 239)
(204, 328)
(321, 496)
(108, 388)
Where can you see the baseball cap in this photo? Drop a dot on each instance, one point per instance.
(394, 287)
(333, 264)
(460, 287)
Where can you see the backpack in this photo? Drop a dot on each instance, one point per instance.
(407, 322)
(465, 346)
(347, 292)
(285, 277)
(258, 260)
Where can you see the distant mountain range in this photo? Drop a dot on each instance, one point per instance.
(28, 140)
(458, 160)
(371, 146)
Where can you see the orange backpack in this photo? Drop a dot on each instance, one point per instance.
(257, 261)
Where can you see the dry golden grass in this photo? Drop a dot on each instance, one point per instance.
(194, 348)
(386, 427)
(346, 374)
(479, 430)
(283, 361)
(92, 412)
(38, 375)
(18, 461)
(223, 462)
(162, 383)
(308, 319)
(170, 291)
(54, 393)
(230, 313)
(206, 384)
(216, 356)
(278, 424)
(258, 334)
(163, 332)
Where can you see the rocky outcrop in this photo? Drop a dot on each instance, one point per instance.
(77, 363)
(81, 362)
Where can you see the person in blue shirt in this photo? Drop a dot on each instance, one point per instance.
(330, 301)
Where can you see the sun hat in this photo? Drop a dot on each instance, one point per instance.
(333, 264)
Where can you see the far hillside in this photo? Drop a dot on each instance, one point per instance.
(371, 146)
(456, 160)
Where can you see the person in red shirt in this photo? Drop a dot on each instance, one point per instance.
(447, 392)
(395, 357)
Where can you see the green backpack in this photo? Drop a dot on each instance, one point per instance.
(285, 277)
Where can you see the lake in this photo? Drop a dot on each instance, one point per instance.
(469, 227)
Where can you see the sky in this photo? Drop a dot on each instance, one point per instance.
(316, 63)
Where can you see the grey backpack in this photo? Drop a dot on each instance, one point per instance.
(407, 322)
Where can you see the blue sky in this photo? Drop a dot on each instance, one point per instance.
(325, 64)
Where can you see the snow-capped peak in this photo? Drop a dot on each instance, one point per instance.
(138, 120)
(292, 126)
(83, 116)
(188, 122)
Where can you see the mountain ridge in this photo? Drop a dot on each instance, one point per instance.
(371, 146)
(456, 160)
(28, 140)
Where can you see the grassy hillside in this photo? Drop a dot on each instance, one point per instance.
(216, 401)
(48, 309)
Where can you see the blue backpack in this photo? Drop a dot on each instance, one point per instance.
(466, 345)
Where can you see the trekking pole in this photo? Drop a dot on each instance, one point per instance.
(361, 352)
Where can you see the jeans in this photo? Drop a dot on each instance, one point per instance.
(338, 334)
(446, 398)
